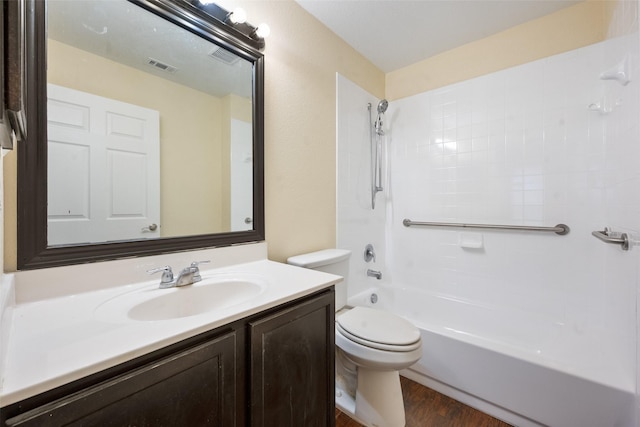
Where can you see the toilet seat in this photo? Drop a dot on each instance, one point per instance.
(370, 358)
(378, 329)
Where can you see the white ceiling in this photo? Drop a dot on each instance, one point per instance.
(395, 33)
(126, 33)
(390, 33)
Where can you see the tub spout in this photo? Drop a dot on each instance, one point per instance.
(374, 273)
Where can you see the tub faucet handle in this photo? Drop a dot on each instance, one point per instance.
(369, 253)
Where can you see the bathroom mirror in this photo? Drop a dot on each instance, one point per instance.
(145, 123)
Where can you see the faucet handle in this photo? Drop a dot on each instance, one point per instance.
(196, 273)
(369, 253)
(167, 274)
(197, 263)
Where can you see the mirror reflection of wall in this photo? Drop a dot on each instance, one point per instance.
(116, 50)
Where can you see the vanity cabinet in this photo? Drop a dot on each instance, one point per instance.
(275, 368)
(291, 353)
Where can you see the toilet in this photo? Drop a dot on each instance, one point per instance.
(371, 347)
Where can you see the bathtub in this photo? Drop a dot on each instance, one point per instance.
(519, 367)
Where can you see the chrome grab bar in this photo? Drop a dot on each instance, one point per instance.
(623, 240)
(560, 229)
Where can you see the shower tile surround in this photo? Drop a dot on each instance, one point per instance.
(357, 224)
(539, 144)
(521, 146)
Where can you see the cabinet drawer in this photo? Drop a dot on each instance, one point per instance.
(194, 387)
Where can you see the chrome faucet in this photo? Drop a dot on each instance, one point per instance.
(188, 275)
(374, 273)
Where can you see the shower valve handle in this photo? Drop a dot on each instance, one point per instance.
(369, 253)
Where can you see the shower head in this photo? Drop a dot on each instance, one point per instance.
(382, 106)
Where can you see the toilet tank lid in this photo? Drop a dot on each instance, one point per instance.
(319, 258)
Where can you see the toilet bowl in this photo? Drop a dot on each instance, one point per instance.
(371, 347)
(377, 339)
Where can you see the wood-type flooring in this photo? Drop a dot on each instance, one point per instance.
(427, 408)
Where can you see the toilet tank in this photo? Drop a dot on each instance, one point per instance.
(334, 261)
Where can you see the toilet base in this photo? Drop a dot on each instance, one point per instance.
(379, 399)
(347, 404)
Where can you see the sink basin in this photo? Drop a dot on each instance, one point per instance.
(152, 304)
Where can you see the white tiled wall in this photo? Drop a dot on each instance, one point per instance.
(623, 191)
(357, 223)
(525, 146)
(540, 144)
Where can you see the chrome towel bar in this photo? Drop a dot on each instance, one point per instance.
(560, 229)
(622, 240)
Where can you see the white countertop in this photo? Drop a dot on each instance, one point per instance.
(56, 340)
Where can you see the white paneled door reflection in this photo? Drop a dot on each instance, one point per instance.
(104, 169)
(241, 176)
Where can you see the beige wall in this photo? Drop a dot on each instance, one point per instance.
(570, 28)
(301, 60)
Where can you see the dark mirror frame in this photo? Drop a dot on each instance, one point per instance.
(33, 251)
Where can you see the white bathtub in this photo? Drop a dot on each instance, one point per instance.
(519, 367)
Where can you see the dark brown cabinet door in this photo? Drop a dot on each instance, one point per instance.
(292, 365)
(194, 387)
